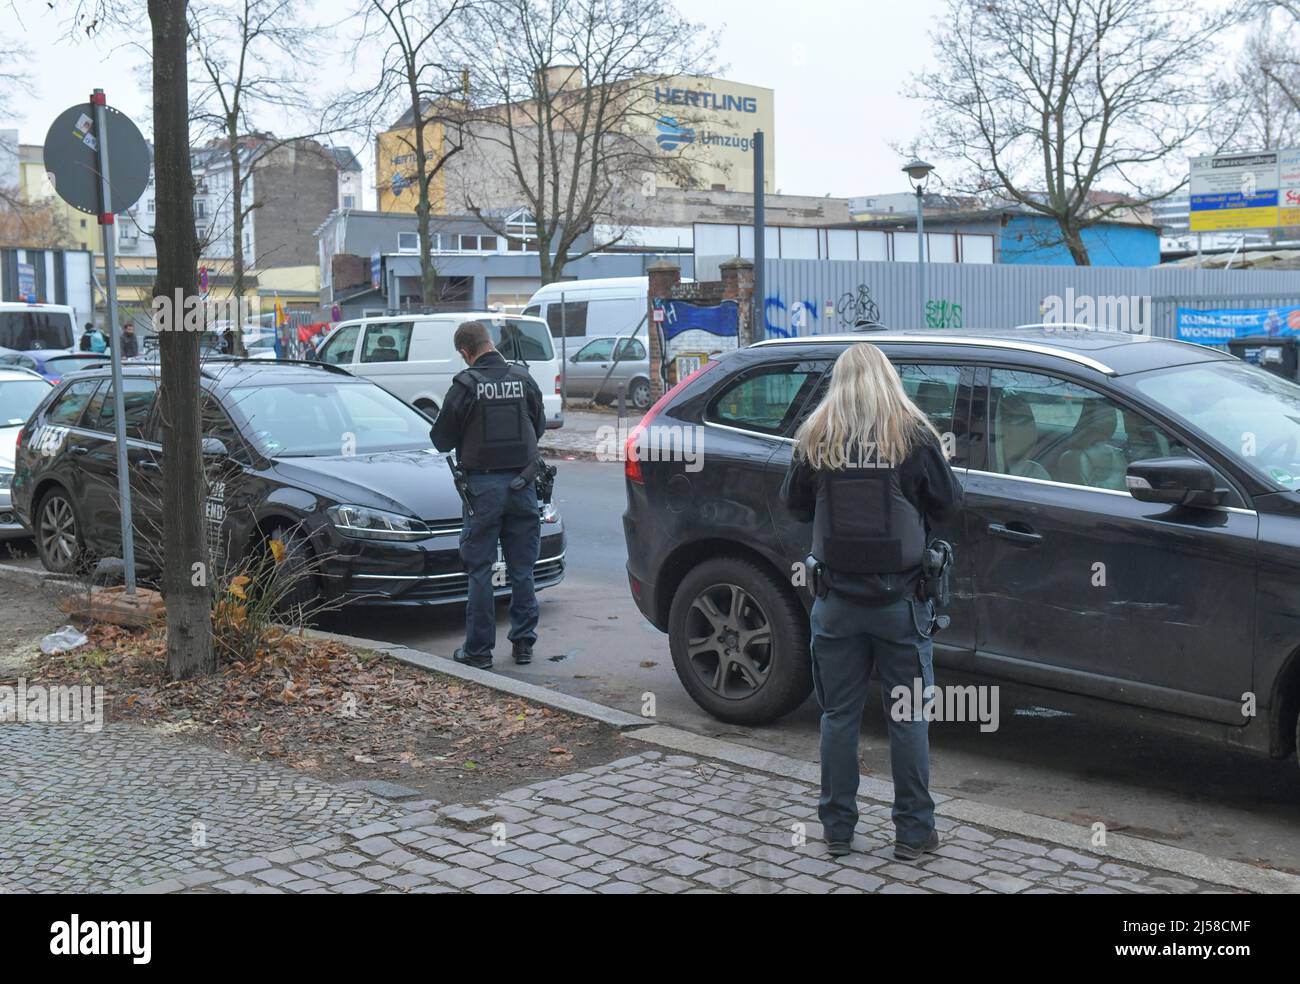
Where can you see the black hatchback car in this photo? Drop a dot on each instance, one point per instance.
(1131, 532)
(337, 468)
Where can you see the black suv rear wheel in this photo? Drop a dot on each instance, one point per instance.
(739, 642)
(59, 540)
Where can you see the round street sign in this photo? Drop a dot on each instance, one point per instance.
(71, 158)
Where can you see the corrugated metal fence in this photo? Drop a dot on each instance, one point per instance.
(806, 297)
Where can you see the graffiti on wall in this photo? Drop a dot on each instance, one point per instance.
(780, 321)
(807, 316)
(857, 308)
(942, 314)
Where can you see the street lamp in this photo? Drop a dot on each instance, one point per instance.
(917, 172)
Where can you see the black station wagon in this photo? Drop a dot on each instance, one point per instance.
(1131, 533)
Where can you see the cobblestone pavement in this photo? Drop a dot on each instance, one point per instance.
(656, 823)
(93, 812)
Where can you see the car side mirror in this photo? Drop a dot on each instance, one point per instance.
(1174, 482)
(214, 447)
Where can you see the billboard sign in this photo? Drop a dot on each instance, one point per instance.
(1235, 191)
(1218, 326)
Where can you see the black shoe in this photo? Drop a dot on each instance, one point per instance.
(523, 650)
(477, 662)
(910, 852)
(837, 849)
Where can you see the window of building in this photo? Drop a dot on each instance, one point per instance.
(408, 242)
(349, 201)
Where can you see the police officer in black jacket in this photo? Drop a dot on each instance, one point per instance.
(869, 471)
(493, 417)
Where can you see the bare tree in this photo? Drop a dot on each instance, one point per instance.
(243, 57)
(1260, 96)
(565, 93)
(1046, 102)
(185, 580)
(416, 76)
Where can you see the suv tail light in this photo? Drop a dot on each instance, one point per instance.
(557, 384)
(631, 463)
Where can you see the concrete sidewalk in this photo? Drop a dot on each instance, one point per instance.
(589, 435)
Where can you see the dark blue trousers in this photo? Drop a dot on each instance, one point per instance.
(848, 638)
(508, 516)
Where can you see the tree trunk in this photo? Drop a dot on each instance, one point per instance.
(235, 334)
(185, 561)
(1072, 236)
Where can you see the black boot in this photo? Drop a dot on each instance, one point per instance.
(523, 650)
(477, 662)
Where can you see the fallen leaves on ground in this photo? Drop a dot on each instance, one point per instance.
(318, 706)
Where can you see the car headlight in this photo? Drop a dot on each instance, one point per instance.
(365, 523)
(6, 479)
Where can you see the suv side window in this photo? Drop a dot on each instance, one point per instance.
(137, 400)
(71, 404)
(338, 350)
(1048, 428)
(767, 399)
(387, 343)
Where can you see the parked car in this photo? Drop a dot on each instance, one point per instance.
(335, 467)
(1129, 536)
(412, 356)
(603, 365)
(21, 390)
(36, 327)
(591, 308)
(54, 364)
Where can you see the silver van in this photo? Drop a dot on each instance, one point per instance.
(412, 355)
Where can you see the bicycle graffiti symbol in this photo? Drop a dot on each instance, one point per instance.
(858, 309)
(942, 314)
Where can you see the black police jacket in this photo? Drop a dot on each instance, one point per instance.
(492, 417)
(870, 524)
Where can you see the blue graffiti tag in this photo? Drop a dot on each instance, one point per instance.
(803, 316)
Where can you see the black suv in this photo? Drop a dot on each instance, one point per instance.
(1130, 532)
(337, 468)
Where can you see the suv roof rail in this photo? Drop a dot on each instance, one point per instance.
(308, 363)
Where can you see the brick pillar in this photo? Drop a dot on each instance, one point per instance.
(664, 276)
(738, 285)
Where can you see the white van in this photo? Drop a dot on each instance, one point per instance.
(604, 306)
(412, 355)
(36, 327)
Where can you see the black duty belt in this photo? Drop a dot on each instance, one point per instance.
(493, 471)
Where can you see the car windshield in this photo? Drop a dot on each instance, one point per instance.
(18, 398)
(300, 420)
(521, 341)
(1253, 414)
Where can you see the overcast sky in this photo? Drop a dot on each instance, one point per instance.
(836, 66)
(836, 69)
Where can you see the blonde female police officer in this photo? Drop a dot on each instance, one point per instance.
(493, 416)
(870, 473)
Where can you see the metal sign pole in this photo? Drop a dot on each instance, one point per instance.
(564, 354)
(115, 333)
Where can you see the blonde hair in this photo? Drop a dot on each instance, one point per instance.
(866, 417)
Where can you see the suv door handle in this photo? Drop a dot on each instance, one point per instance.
(150, 464)
(79, 449)
(1017, 533)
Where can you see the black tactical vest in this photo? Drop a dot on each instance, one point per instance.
(864, 524)
(498, 432)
